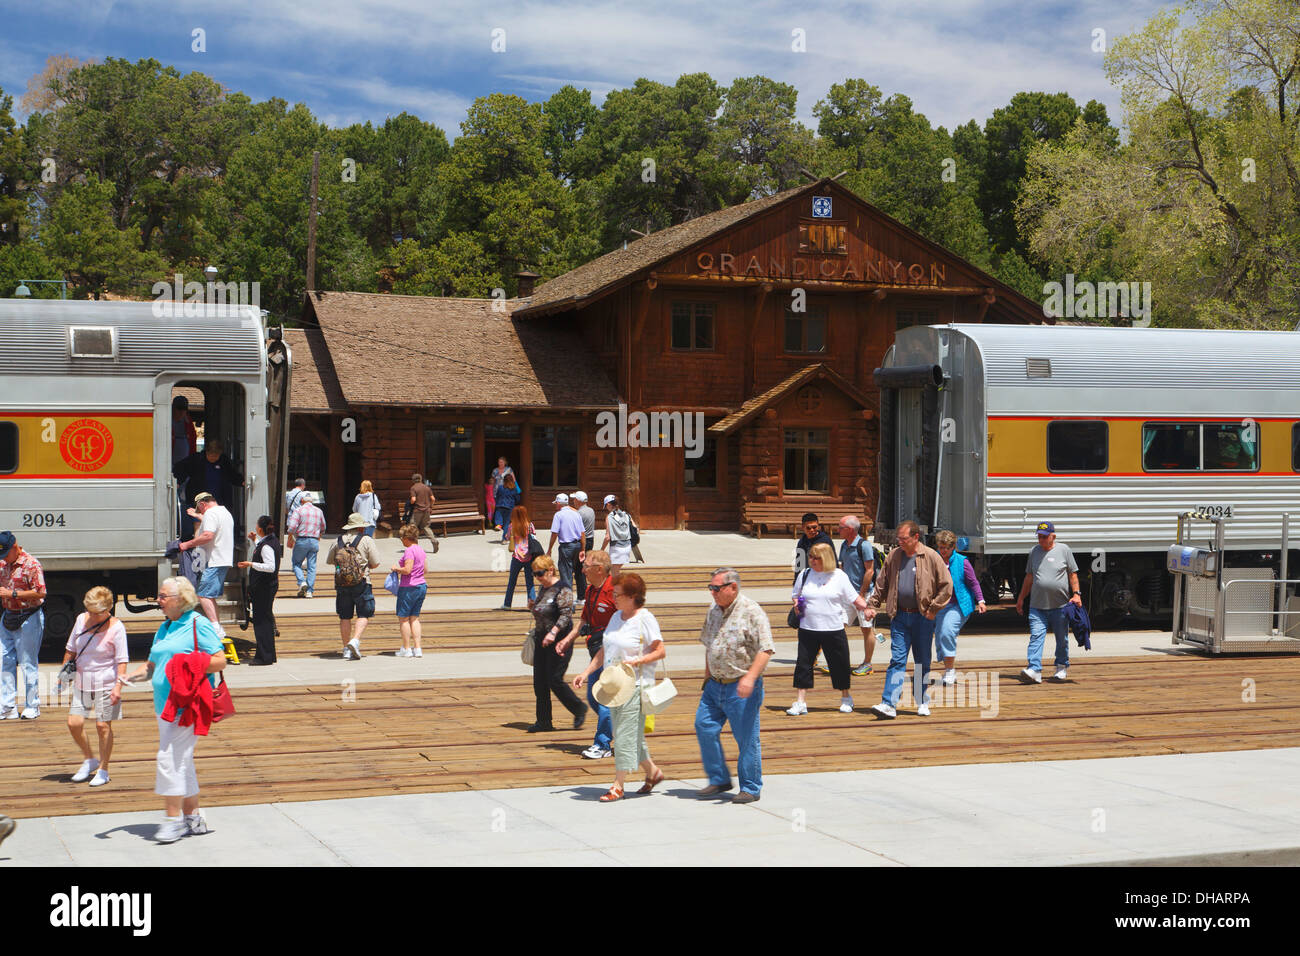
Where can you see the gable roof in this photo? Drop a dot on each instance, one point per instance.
(604, 274)
(453, 353)
(779, 391)
(313, 384)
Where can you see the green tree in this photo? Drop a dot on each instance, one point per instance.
(82, 240)
(758, 130)
(13, 201)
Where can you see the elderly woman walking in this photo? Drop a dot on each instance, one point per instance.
(553, 617)
(183, 634)
(631, 637)
(823, 593)
(411, 590)
(98, 645)
(966, 598)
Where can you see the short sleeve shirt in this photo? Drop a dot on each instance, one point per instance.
(177, 637)
(97, 653)
(733, 637)
(366, 548)
(625, 639)
(854, 559)
(414, 555)
(423, 497)
(220, 551)
(1051, 571)
(567, 523)
(25, 574)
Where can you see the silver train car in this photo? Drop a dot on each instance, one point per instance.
(86, 479)
(1109, 433)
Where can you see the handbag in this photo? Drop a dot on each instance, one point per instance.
(657, 698)
(529, 648)
(391, 583)
(13, 620)
(793, 616)
(222, 703)
(535, 549)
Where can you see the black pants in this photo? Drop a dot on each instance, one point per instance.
(548, 678)
(835, 645)
(262, 589)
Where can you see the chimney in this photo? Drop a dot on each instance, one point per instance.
(526, 282)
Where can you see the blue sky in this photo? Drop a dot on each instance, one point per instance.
(352, 60)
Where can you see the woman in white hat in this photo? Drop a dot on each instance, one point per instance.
(632, 637)
(618, 535)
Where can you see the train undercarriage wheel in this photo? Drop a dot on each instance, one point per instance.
(62, 605)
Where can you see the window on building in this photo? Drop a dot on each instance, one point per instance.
(1077, 446)
(906, 318)
(807, 461)
(555, 456)
(8, 448)
(308, 461)
(693, 326)
(1200, 446)
(449, 455)
(702, 472)
(805, 331)
(1295, 447)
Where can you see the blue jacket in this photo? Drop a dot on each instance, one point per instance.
(1077, 617)
(960, 593)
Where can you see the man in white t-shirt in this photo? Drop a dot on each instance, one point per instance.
(216, 542)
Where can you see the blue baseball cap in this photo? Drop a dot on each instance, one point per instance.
(7, 541)
(1046, 527)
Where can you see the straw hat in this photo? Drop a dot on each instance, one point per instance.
(615, 687)
(355, 522)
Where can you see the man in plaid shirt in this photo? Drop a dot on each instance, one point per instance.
(304, 529)
(22, 594)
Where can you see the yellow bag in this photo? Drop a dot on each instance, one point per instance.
(649, 723)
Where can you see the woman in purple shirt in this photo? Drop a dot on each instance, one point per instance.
(411, 589)
(967, 597)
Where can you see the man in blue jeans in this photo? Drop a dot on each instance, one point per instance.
(596, 612)
(566, 529)
(914, 585)
(1051, 582)
(737, 641)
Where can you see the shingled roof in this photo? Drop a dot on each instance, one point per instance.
(313, 386)
(779, 391)
(450, 353)
(598, 275)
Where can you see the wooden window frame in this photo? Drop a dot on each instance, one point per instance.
(803, 317)
(695, 306)
(428, 426)
(555, 460)
(806, 446)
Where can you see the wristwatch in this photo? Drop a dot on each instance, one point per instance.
(1073, 593)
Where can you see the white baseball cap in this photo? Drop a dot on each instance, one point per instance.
(561, 499)
(307, 496)
(579, 496)
(609, 498)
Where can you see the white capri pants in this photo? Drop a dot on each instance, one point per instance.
(176, 777)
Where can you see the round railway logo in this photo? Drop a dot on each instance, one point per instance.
(86, 444)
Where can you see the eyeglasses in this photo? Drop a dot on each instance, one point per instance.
(715, 588)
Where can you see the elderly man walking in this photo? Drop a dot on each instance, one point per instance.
(216, 541)
(914, 585)
(303, 532)
(567, 531)
(599, 607)
(858, 561)
(22, 595)
(737, 641)
(1051, 582)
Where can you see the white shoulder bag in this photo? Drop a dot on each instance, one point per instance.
(658, 697)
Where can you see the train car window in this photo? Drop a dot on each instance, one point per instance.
(1230, 446)
(1295, 447)
(1171, 446)
(1074, 446)
(8, 448)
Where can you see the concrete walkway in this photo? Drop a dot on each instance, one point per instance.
(1209, 807)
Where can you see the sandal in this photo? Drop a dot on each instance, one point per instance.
(650, 784)
(614, 793)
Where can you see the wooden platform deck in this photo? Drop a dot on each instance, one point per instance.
(291, 743)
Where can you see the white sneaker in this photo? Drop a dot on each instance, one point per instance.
(10, 714)
(418, 652)
(846, 705)
(31, 713)
(597, 752)
(401, 651)
(356, 649)
(884, 710)
(1031, 676)
(1062, 674)
(171, 830)
(798, 709)
(87, 767)
(923, 710)
(101, 778)
(347, 652)
(308, 594)
(949, 677)
(302, 589)
(197, 823)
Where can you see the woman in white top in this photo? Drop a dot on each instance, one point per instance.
(631, 637)
(263, 583)
(618, 535)
(98, 645)
(825, 593)
(366, 504)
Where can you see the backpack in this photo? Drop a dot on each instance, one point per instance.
(620, 526)
(635, 534)
(350, 568)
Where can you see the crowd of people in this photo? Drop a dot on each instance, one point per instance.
(575, 590)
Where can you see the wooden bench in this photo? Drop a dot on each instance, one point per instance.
(448, 511)
(769, 515)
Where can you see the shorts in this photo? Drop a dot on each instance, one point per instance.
(175, 775)
(95, 704)
(212, 583)
(620, 552)
(359, 599)
(410, 600)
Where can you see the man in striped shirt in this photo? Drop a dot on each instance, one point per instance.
(304, 530)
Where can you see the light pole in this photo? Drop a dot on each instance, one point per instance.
(23, 292)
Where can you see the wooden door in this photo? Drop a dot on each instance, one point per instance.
(660, 480)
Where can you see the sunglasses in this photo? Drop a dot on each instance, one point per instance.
(715, 588)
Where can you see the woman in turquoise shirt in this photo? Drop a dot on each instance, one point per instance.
(176, 781)
(966, 598)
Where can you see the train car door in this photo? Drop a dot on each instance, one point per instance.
(908, 491)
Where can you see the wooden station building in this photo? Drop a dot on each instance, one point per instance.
(766, 318)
